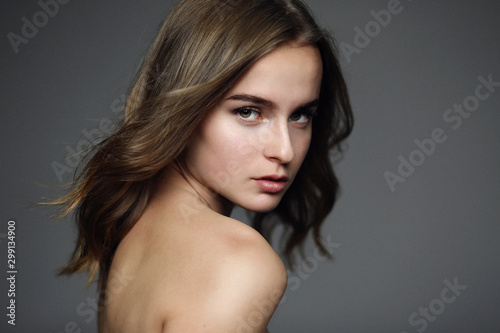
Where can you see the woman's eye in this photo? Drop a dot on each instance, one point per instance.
(248, 114)
(300, 117)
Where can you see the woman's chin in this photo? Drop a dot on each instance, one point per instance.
(262, 207)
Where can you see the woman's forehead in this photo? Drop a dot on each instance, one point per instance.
(289, 73)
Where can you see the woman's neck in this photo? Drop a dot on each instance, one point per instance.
(177, 179)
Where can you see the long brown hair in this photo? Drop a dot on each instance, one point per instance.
(201, 50)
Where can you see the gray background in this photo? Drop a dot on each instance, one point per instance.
(394, 249)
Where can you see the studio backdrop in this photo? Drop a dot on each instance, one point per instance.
(415, 233)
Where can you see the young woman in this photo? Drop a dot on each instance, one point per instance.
(237, 103)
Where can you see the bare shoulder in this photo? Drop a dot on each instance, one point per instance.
(239, 281)
(211, 274)
(248, 257)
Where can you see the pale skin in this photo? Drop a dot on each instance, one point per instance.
(186, 266)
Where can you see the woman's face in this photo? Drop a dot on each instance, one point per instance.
(250, 147)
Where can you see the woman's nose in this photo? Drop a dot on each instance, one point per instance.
(279, 146)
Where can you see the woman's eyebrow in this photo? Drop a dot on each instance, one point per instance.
(264, 102)
(312, 104)
(252, 99)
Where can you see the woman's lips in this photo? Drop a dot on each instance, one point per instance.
(272, 184)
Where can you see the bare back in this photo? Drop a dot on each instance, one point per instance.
(184, 267)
